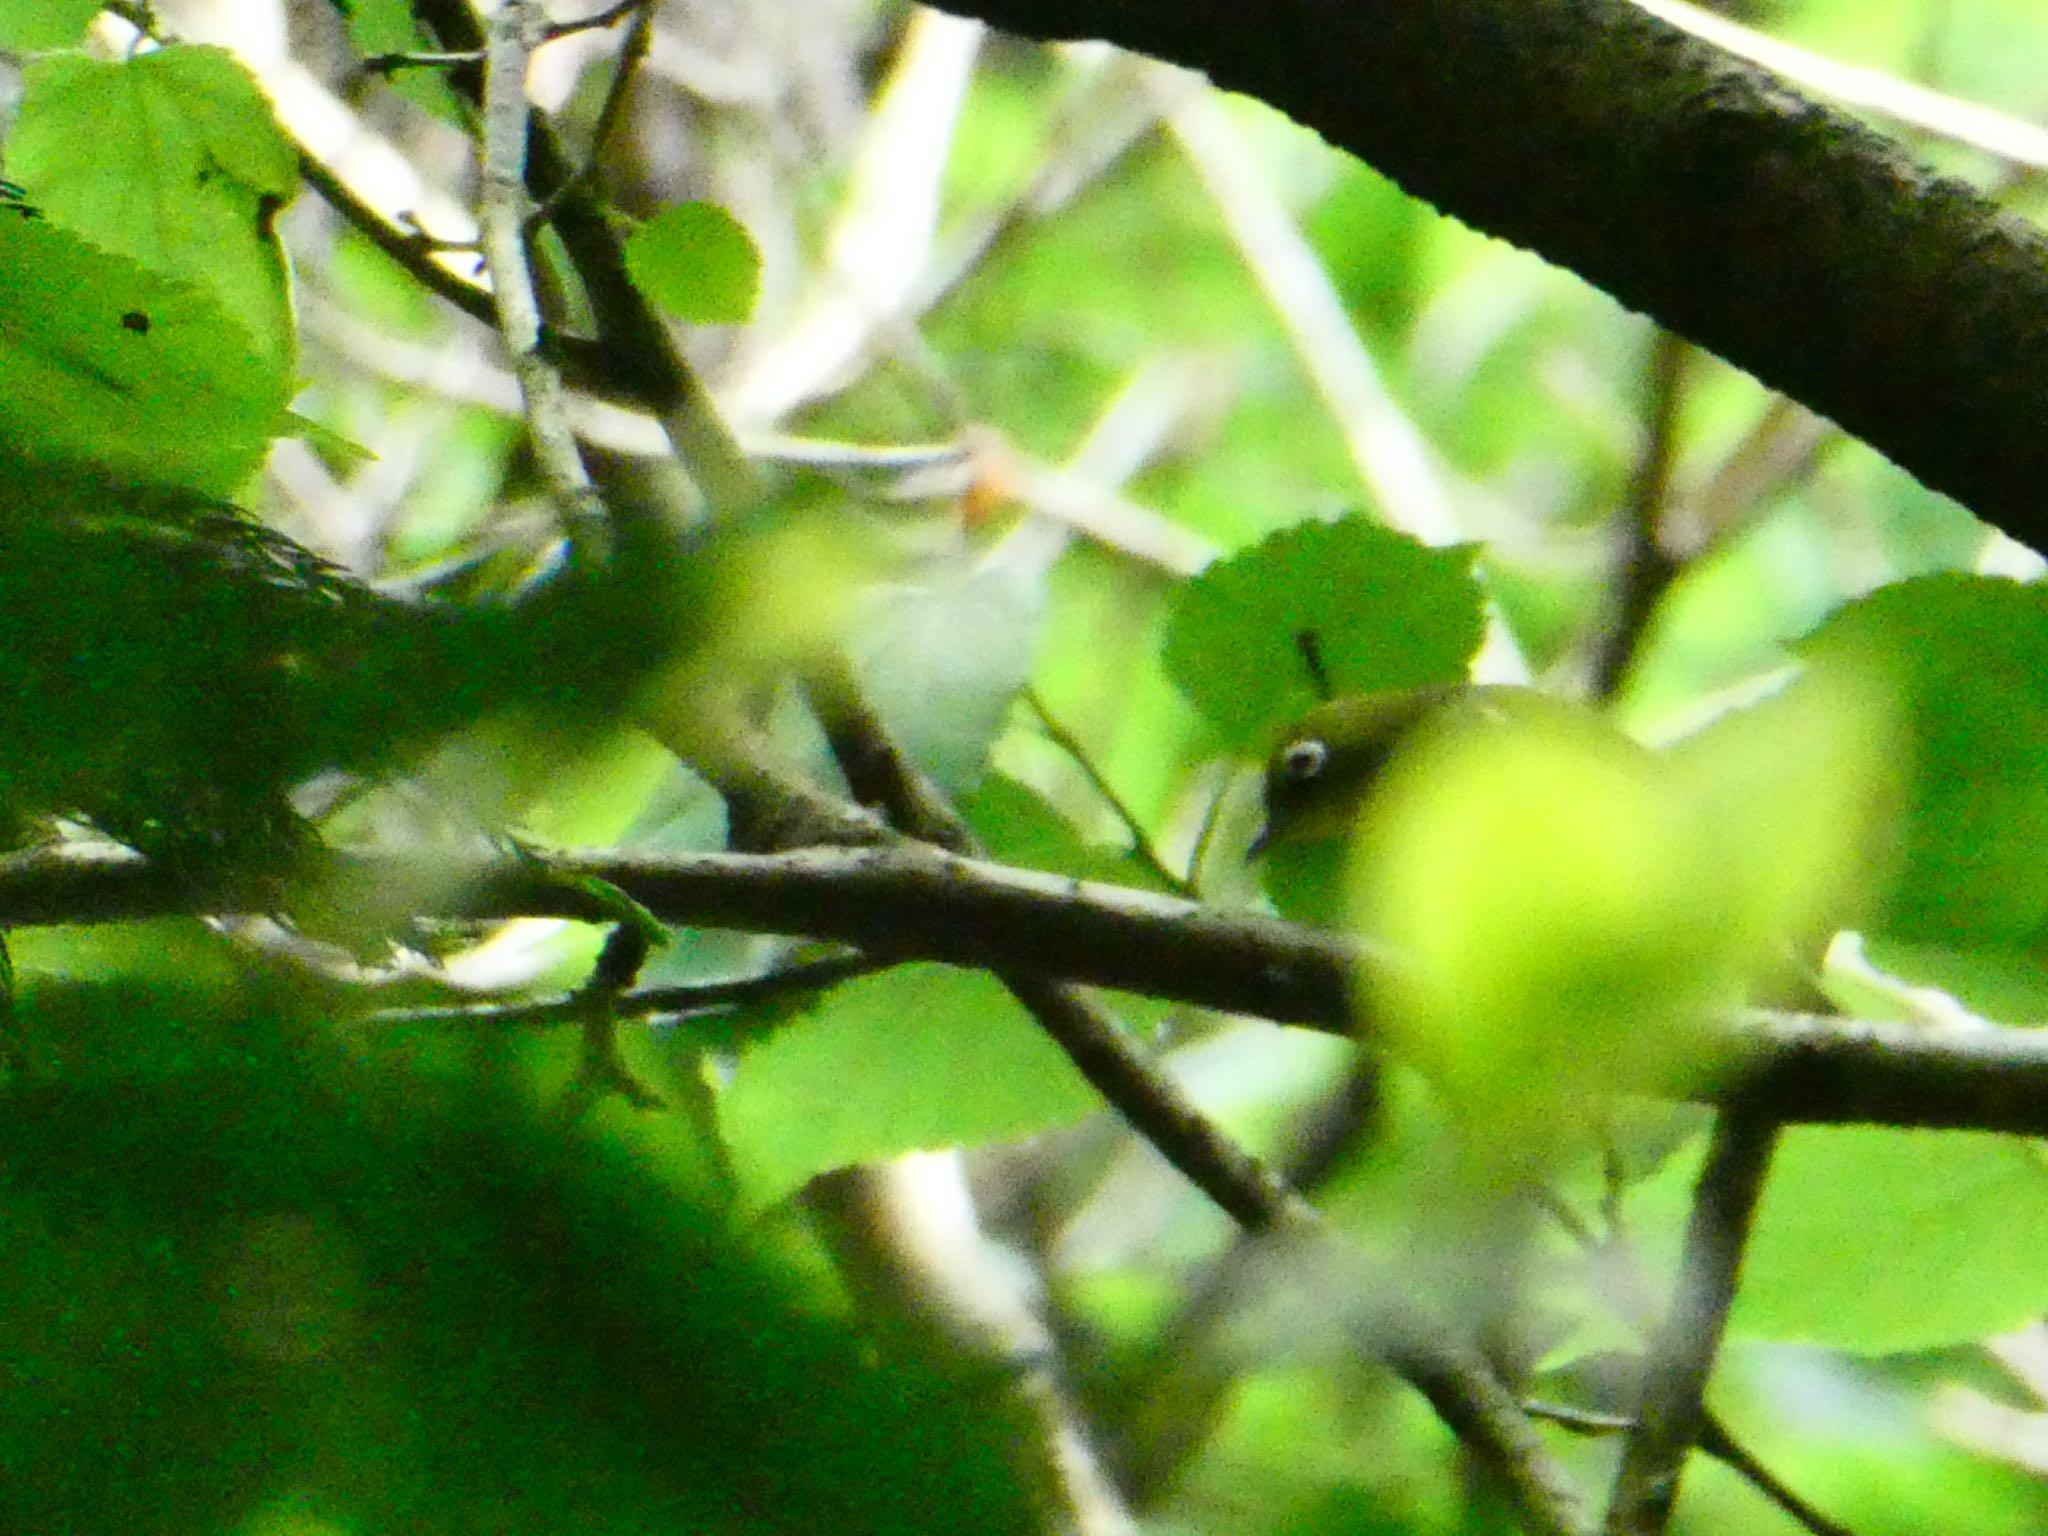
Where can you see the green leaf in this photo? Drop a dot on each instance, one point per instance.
(915, 1058)
(1881, 1240)
(1384, 611)
(1927, 984)
(26, 24)
(942, 659)
(389, 26)
(1967, 658)
(1541, 877)
(1019, 827)
(382, 1283)
(173, 158)
(139, 374)
(696, 261)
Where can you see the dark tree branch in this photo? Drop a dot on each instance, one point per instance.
(1782, 235)
(922, 904)
(1671, 1413)
(1644, 571)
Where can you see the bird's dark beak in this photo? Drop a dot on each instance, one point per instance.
(1262, 842)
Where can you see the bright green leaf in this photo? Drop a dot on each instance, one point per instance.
(1880, 1240)
(1536, 881)
(1563, 907)
(1968, 657)
(388, 26)
(1020, 828)
(916, 1058)
(173, 158)
(1384, 611)
(27, 24)
(696, 261)
(143, 376)
(1794, 794)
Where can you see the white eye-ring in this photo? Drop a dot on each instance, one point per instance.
(1304, 760)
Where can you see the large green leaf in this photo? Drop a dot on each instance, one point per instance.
(1879, 1240)
(142, 375)
(1967, 658)
(915, 1058)
(254, 1273)
(1384, 612)
(173, 158)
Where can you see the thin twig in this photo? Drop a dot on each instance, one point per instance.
(1069, 743)
(390, 63)
(1675, 1374)
(1632, 1297)
(1715, 1441)
(515, 29)
(603, 18)
(649, 1005)
(641, 359)
(405, 247)
(1644, 571)
(631, 53)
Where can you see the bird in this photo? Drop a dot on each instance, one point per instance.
(1326, 765)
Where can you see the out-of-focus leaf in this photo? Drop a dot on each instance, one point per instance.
(696, 261)
(942, 659)
(1968, 661)
(915, 1058)
(247, 1269)
(27, 24)
(1562, 906)
(1537, 880)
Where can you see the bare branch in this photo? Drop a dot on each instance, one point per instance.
(1670, 1416)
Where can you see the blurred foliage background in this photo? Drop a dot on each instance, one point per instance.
(1047, 331)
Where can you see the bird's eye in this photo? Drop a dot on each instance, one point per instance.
(1304, 760)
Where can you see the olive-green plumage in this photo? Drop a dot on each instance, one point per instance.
(1328, 762)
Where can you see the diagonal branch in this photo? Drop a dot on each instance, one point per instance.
(1903, 305)
(1671, 1415)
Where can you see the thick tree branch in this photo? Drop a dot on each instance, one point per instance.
(1689, 184)
(919, 904)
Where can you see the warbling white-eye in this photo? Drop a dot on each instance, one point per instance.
(1322, 770)
(1564, 909)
